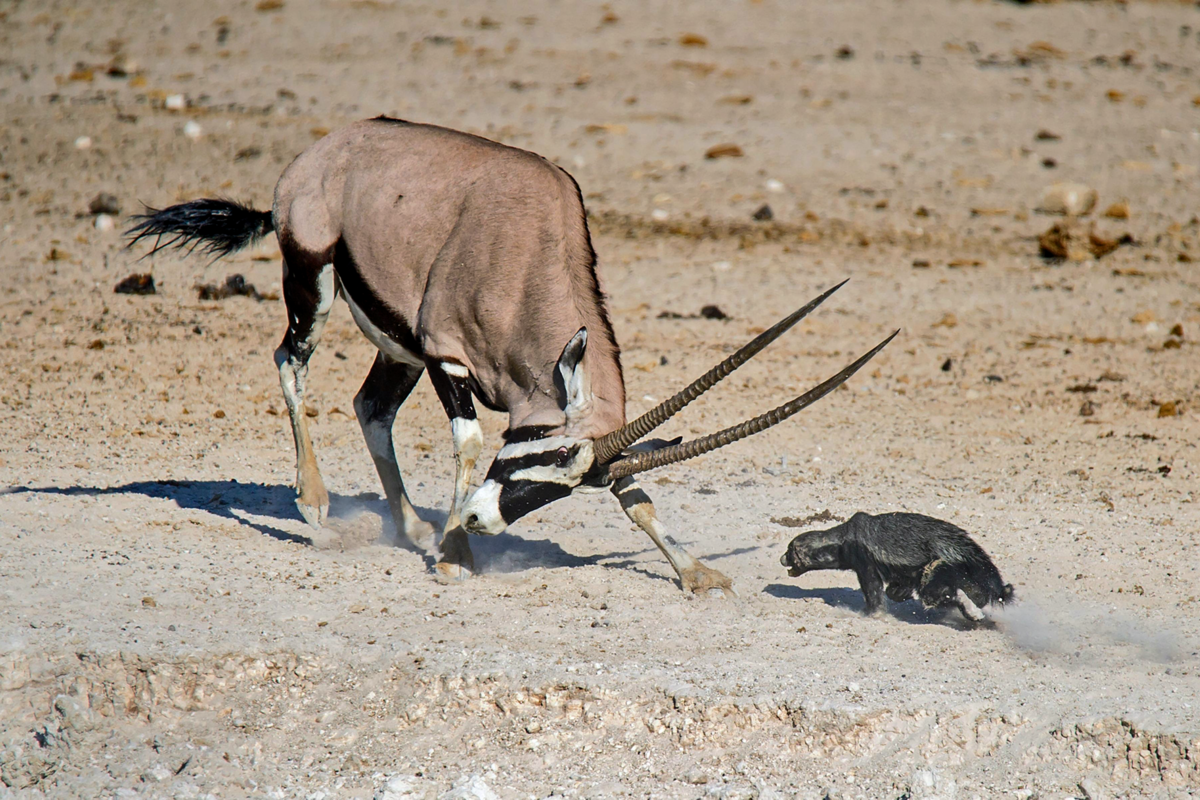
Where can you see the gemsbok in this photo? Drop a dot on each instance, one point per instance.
(473, 260)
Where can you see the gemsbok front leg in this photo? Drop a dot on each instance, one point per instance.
(387, 386)
(451, 381)
(308, 293)
(693, 576)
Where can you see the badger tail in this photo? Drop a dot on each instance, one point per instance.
(217, 227)
(1007, 596)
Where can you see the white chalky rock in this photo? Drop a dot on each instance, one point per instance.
(83, 142)
(105, 222)
(470, 788)
(403, 787)
(774, 186)
(176, 102)
(192, 129)
(660, 215)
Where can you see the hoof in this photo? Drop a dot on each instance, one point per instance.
(420, 535)
(707, 582)
(313, 515)
(445, 572)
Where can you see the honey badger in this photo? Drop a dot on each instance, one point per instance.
(910, 554)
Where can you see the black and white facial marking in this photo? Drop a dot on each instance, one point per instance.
(535, 468)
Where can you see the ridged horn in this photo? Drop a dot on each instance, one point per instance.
(641, 462)
(611, 445)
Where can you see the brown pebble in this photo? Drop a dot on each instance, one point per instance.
(1087, 409)
(1168, 409)
(149, 602)
(219, 414)
(726, 150)
(1117, 210)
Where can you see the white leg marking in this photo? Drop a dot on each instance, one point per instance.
(468, 438)
(455, 370)
(389, 347)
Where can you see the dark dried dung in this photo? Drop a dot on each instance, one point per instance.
(137, 283)
(803, 522)
(713, 312)
(764, 214)
(235, 286)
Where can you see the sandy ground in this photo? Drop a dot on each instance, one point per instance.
(169, 627)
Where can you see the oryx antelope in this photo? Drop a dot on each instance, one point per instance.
(471, 260)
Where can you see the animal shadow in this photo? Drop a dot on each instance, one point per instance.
(911, 611)
(248, 503)
(233, 500)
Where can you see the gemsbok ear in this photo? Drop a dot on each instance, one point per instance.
(577, 389)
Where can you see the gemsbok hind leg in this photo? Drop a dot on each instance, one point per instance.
(308, 294)
(451, 381)
(694, 576)
(387, 386)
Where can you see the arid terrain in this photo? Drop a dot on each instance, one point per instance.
(170, 627)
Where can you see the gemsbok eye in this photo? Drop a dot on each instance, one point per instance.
(564, 457)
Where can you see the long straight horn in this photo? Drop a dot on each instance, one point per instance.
(611, 445)
(681, 452)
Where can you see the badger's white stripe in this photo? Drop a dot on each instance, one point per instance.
(455, 370)
(969, 608)
(388, 346)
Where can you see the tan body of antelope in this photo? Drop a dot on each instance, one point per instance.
(471, 260)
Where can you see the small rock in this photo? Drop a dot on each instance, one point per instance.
(149, 602)
(774, 187)
(104, 203)
(947, 364)
(533, 726)
(105, 223)
(403, 787)
(1168, 409)
(75, 716)
(1069, 199)
(660, 215)
(192, 129)
(1092, 790)
(1118, 211)
(137, 283)
(157, 774)
(472, 788)
(696, 777)
(726, 150)
(845, 52)
(83, 142)
(1047, 136)
(713, 312)
(1088, 409)
(175, 102)
(764, 213)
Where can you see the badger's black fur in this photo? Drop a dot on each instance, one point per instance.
(910, 554)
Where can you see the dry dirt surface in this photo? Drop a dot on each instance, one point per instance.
(169, 626)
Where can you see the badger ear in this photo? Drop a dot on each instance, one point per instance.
(576, 389)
